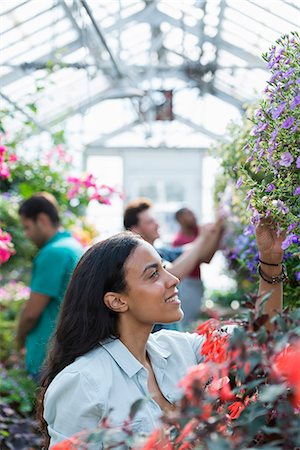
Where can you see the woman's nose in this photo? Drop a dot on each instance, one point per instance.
(172, 280)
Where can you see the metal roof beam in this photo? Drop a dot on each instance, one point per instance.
(94, 150)
(286, 18)
(99, 33)
(235, 50)
(93, 50)
(14, 8)
(109, 94)
(198, 128)
(16, 74)
(219, 93)
(100, 142)
(35, 16)
(39, 126)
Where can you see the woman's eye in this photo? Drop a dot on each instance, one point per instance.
(154, 274)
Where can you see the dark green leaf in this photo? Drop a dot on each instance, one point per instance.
(271, 393)
(135, 407)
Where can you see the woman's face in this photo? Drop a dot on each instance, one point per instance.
(152, 294)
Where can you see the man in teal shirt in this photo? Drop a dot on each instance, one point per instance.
(52, 268)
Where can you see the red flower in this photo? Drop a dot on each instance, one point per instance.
(208, 327)
(185, 446)
(68, 444)
(157, 441)
(197, 377)
(286, 365)
(186, 430)
(235, 409)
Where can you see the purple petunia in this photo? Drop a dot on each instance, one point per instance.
(297, 276)
(270, 188)
(281, 206)
(250, 194)
(278, 111)
(289, 240)
(297, 191)
(239, 182)
(298, 162)
(295, 102)
(286, 159)
(248, 230)
(273, 136)
(288, 122)
(289, 72)
(291, 227)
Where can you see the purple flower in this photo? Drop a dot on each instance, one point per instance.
(281, 206)
(298, 81)
(295, 102)
(298, 162)
(286, 159)
(270, 188)
(248, 230)
(288, 122)
(291, 227)
(273, 136)
(289, 240)
(289, 72)
(255, 217)
(297, 191)
(239, 182)
(249, 194)
(278, 111)
(297, 276)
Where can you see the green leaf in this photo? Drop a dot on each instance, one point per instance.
(218, 444)
(271, 393)
(25, 190)
(32, 106)
(135, 407)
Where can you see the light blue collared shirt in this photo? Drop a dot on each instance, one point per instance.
(109, 379)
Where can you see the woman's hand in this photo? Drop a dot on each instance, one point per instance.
(269, 242)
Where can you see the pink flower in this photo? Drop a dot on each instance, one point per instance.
(4, 171)
(12, 158)
(6, 247)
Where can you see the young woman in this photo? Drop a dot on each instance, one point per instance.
(104, 356)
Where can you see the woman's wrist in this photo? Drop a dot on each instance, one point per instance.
(271, 264)
(270, 258)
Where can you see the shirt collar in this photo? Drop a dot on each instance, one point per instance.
(125, 359)
(57, 236)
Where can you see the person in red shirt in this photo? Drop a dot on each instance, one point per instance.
(191, 286)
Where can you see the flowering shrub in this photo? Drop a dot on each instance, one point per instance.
(12, 296)
(6, 246)
(260, 165)
(73, 195)
(273, 147)
(245, 394)
(6, 161)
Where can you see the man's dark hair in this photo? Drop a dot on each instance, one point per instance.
(37, 204)
(133, 209)
(180, 212)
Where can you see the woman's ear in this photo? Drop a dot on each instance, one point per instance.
(115, 302)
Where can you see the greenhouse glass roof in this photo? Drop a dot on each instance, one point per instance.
(105, 66)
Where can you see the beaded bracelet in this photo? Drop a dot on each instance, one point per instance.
(274, 280)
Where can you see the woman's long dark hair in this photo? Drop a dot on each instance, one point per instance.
(85, 321)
